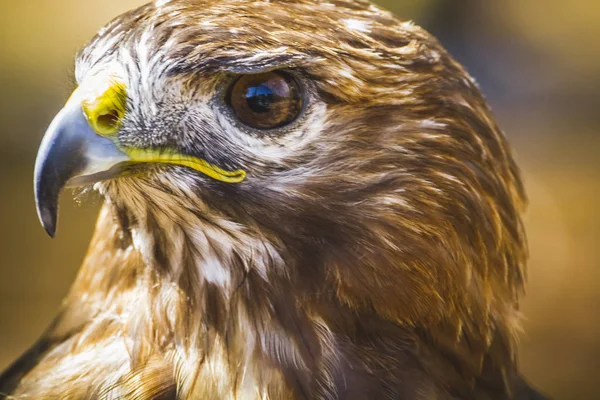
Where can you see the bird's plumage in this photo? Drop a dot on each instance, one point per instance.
(375, 250)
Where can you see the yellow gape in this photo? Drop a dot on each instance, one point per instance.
(167, 156)
(105, 111)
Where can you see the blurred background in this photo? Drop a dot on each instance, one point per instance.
(538, 62)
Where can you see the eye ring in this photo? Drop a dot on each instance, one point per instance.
(266, 101)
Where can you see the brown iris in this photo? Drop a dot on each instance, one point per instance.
(266, 101)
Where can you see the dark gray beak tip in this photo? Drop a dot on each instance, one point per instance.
(46, 202)
(50, 233)
(48, 219)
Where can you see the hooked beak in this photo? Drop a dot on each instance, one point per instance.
(71, 154)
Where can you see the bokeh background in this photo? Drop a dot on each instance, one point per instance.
(538, 62)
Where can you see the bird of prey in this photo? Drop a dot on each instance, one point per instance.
(303, 200)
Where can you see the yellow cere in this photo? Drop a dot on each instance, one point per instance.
(174, 158)
(105, 112)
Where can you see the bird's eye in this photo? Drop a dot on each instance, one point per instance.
(266, 101)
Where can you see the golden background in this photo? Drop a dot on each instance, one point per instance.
(538, 61)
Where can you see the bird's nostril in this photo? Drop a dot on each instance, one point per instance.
(104, 107)
(107, 123)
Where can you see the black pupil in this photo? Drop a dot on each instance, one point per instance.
(260, 98)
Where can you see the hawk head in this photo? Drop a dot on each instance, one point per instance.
(312, 188)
